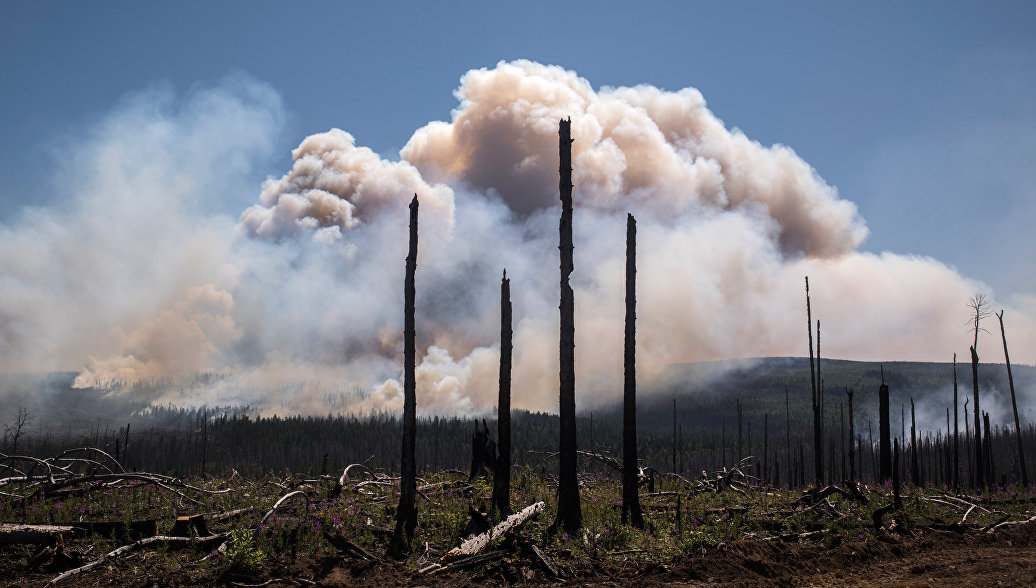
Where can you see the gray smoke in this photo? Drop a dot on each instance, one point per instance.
(134, 276)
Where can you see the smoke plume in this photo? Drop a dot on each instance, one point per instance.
(139, 273)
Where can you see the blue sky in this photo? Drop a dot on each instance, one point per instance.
(921, 113)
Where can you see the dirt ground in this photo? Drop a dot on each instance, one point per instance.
(1004, 558)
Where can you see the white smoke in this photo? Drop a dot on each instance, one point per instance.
(301, 298)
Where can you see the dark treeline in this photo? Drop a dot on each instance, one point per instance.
(187, 441)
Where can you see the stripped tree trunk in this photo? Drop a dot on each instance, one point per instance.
(502, 475)
(569, 515)
(406, 512)
(1014, 405)
(630, 499)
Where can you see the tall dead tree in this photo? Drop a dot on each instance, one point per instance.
(570, 515)
(915, 470)
(674, 436)
(841, 419)
(766, 447)
(884, 431)
(956, 431)
(406, 512)
(818, 453)
(980, 305)
(980, 481)
(740, 436)
(630, 499)
(502, 475)
(852, 436)
(787, 436)
(1014, 405)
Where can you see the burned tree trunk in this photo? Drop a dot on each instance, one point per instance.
(915, 470)
(980, 481)
(740, 437)
(1014, 405)
(406, 512)
(956, 432)
(852, 437)
(766, 448)
(988, 446)
(884, 432)
(502, 475)
(630, 499)
(818, 454)
(787, 437)
(895, 479)
(569, 515)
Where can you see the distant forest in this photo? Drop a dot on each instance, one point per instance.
(702, 434)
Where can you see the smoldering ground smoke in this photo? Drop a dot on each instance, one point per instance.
(136, 273)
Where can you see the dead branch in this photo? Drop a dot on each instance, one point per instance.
(545, 561)
(132, 547)
(277, 506)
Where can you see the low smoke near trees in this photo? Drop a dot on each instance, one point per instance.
(160, 258)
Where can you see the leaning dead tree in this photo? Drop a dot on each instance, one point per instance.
(1014, 404)
(630, 498)
(406, 512)
(502, 475)
(569, 515)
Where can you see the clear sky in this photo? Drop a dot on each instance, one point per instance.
(922, 113)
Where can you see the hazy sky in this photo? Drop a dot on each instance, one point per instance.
(922, 113)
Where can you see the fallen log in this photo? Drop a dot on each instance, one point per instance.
(463, 562)
(475, 544)
(16, 534)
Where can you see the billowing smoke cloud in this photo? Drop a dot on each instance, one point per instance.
(298, 301)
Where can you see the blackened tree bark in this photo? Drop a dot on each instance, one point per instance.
(1014, 405)
(898, 500)
(956, 432)
(915, 470)
(406, 512)
(980, 480)
(569, 516)
(787, 438)
(818, 453)
(884, 432)
(502, 475)
(740, 437)
(631, 511)
(841, 419)
(852, 437)
(766, 447)
(988, 447)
